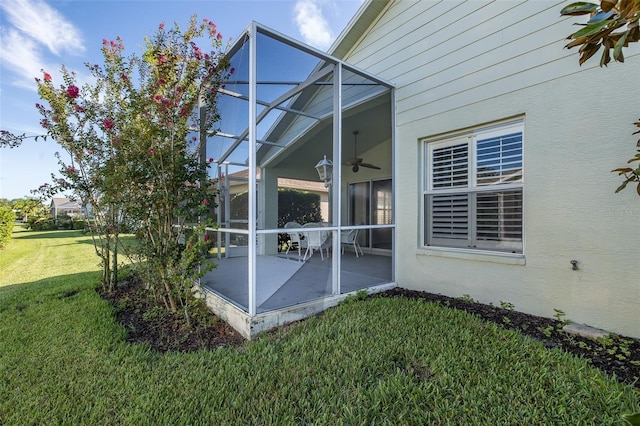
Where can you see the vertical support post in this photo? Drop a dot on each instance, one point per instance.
(227, 209)
(203, 131)
(394, 206)
(336, 187)
(251, 195)
(202, 148)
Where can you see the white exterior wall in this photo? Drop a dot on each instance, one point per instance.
(463, 64)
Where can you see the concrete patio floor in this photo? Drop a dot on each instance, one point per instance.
(287, 288)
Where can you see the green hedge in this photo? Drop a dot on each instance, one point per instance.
(42, 224)
(7, 219)
(293, 206)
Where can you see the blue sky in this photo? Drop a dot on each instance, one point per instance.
(39, 34)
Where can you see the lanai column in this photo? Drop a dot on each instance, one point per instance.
(251, 195)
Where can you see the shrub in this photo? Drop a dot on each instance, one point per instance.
(296, 206)
(79, 224)
(293, 206)
(42, 224)
(7, 219)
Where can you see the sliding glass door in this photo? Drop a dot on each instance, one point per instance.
(370, 203)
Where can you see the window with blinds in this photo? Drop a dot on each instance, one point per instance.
(473, 190)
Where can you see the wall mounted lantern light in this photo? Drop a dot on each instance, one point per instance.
(325, 171)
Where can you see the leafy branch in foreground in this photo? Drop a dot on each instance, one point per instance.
(631, 174)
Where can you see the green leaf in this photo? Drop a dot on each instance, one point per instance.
(623, 186)
(579, 8)
(591, 29)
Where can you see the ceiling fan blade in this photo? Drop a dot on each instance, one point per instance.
(353, 161)
(370, 166)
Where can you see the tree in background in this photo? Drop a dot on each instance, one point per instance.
(612, 25)
(7, 219)
(27, 207)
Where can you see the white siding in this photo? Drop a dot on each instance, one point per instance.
(463, 64)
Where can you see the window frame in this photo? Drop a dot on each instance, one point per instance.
(470, 191)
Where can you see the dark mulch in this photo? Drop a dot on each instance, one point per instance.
(148, 321)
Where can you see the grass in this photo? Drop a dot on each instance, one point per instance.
(64, 360)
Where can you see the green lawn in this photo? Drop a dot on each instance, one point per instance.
(64, 360)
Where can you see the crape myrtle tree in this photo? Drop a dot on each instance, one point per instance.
(134, 136)
(612, 25)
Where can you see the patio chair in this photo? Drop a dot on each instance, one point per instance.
(294, 237)
(351, 238)
(315, 240)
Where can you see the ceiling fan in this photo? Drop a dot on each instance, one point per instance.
(357, 162)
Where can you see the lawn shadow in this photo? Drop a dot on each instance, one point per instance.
(35, 235)
(20, 295)
(80, 236)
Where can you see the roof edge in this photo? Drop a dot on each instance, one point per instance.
(366, 15)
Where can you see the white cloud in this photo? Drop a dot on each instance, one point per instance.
(37, 20)
(20, 54)
(311, 23)
(33, 29)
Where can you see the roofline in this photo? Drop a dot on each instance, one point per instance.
(364, 18)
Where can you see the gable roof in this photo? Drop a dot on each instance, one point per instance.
(65, 203)
(357, 27)
(59, 201)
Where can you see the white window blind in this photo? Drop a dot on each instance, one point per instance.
(473, 195)
(451, 166)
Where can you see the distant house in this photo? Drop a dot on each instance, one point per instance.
(65, 207)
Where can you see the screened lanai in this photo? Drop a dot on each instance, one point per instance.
(291, 112)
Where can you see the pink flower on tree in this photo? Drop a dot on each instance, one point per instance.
(73, 91)
(211, 159)
(161, 26)
(206, 237)
(108, 124)
(151, 150)
(205, 201)
(47, 76)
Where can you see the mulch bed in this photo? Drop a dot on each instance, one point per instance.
(147, 321)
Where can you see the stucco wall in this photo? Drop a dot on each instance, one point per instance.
(459, 65)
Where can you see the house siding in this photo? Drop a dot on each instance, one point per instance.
(458, 65)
